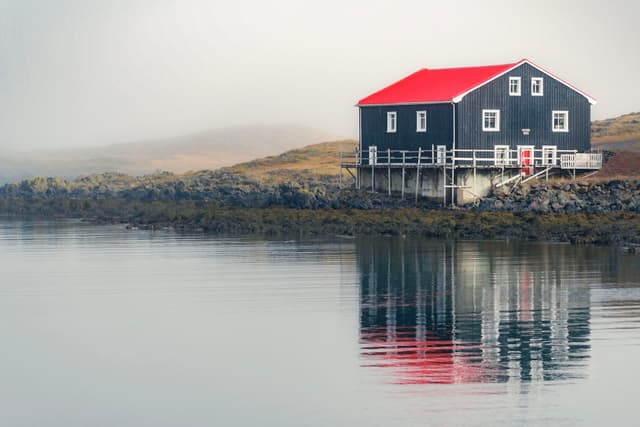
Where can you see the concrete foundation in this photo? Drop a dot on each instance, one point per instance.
(471, 184)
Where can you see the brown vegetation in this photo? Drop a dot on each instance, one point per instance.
(617, 133)
(310, 162)
(622, 165)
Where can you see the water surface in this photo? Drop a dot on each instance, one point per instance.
(103, 326)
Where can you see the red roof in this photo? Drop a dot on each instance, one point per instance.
(440, 85)
(444, 85)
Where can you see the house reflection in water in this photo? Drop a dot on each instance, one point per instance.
(448, 312)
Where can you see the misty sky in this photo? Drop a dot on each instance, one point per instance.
(90, 72)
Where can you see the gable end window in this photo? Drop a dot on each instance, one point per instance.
(537, 86)
(491, 120)
(514, 86)
(421, 121)
(392, 121)
(560, 121)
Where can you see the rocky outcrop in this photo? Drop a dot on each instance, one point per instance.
(588, 197)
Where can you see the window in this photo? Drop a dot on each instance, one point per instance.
(549, 155)
(421, 121)
(537, 86)
(392, 121)
(560, 121)
(514, 86)
(491, 120)
(502, 155)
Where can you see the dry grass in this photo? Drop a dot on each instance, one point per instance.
(311, 161)
(623, 165)
(622, 128)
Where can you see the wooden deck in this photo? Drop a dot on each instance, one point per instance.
(513, 166)
(480, 159)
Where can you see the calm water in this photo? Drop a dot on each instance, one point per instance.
(104, 327)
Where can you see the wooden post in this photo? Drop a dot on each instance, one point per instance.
(373, 179)
(403, 171)
(444, 185)
(358, 167)
(418, 173)
(389, 171)
(453, 177)
(474, 171)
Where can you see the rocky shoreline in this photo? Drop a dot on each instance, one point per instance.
(605, 213)
(558, 197)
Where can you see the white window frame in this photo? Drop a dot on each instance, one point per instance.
(486, 129)
(501, 161)
(392, 121)
(516, 92)
(419, 115)
(566, 121)
(553, 149)
(541, 81)
(373, 155)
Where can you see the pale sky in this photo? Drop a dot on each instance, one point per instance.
(93, 72)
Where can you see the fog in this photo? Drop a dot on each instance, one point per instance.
(86, 73)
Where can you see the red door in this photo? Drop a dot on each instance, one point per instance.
(526, 160)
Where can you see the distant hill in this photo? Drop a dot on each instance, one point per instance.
(205, 150)
(618, 133)
(235, 147)
(301, 164)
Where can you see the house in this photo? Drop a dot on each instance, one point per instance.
(512, 121)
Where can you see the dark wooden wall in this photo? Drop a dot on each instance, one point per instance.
(524, 112)
(373, 122)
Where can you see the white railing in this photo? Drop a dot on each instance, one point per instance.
(581, 161)
(509, 158)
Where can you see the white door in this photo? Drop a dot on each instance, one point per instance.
(549, 155)
(441, 154)
(373, 155)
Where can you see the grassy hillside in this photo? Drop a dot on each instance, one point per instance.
(302, 164)
(618, 133)
(294, 175)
